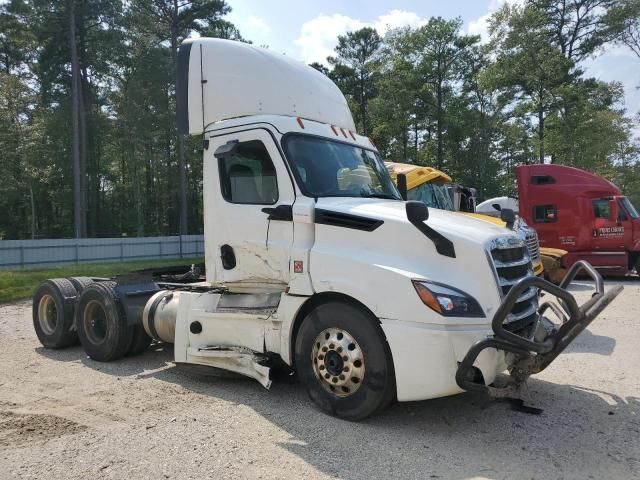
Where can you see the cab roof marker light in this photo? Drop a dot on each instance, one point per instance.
(343, 133)
(300, 122)
(371, 142)
(334, 130)
(352, 135)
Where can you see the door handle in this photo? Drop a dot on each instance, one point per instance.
(281, 212)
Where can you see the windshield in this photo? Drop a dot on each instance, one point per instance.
(629, 207)
(433, 195)
(325, 168)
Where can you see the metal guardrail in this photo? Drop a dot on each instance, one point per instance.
(51, 252)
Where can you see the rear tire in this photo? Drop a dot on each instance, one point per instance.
(102, 325)
(344, 361)
(52, 311)
(80, 283)
(140, 341)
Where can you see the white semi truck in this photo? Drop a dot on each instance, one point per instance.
(314, 261)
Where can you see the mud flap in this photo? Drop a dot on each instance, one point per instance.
(533, 355)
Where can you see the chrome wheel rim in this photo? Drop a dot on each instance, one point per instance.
(338, 362)
(95, 322)
(47, 314)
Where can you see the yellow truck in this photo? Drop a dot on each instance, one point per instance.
(430, 186)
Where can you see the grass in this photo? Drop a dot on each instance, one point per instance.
(21, 284)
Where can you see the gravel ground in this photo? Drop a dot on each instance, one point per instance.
(65, 416)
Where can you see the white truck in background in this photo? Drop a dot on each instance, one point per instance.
(368, 298)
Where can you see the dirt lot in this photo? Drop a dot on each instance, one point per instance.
(65, 416)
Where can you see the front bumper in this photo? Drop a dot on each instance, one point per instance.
(530, 355)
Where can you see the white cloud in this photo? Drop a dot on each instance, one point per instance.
(480, 26)
(252, 27)
(318, 36)
(397, 18)
(257, 24)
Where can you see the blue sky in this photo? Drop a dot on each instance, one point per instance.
(307, 30)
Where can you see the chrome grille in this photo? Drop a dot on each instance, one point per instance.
(533, 245)
(512, 262)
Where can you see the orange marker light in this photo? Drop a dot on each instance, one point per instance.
(334, 129)
(300, 122)
(352, 135)
(427, 297)
(345, 135)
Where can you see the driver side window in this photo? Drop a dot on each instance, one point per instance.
(601, 209)
(248, 176)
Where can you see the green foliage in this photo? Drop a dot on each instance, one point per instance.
(439, 98)
(624, 19)
(429, 95)
(128, 140)
(355, 70)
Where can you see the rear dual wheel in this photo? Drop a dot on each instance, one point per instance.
(344, 361)
(103, 329)
(53, 305)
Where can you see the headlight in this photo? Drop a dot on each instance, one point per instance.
(447, 301)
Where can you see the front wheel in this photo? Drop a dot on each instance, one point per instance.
(344, 361)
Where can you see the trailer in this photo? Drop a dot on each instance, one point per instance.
(313, 261)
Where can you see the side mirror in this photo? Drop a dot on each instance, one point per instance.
(417, 211)
(508, 216)
(613, 210)
(228, 148)
(402, 185)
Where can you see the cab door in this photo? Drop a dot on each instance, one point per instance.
(608, 226)
(248, 195)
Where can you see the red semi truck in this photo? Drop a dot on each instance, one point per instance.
(582, 213)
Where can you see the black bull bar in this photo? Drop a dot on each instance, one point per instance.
(532, 355)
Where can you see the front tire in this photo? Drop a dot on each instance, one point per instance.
(102, 325)
(344, 361)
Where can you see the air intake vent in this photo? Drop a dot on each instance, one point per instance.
(346, 220)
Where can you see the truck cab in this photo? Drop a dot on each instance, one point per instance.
(582, 213)
(315, 262)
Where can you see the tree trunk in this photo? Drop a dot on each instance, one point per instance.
(363, 107)
(33, 211)
(182, 170)
(541, 134)
(82, 119)
(415, 138)
(440, 154)
(78, 207)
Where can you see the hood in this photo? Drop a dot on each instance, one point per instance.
(396, 245)
(450, 224)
